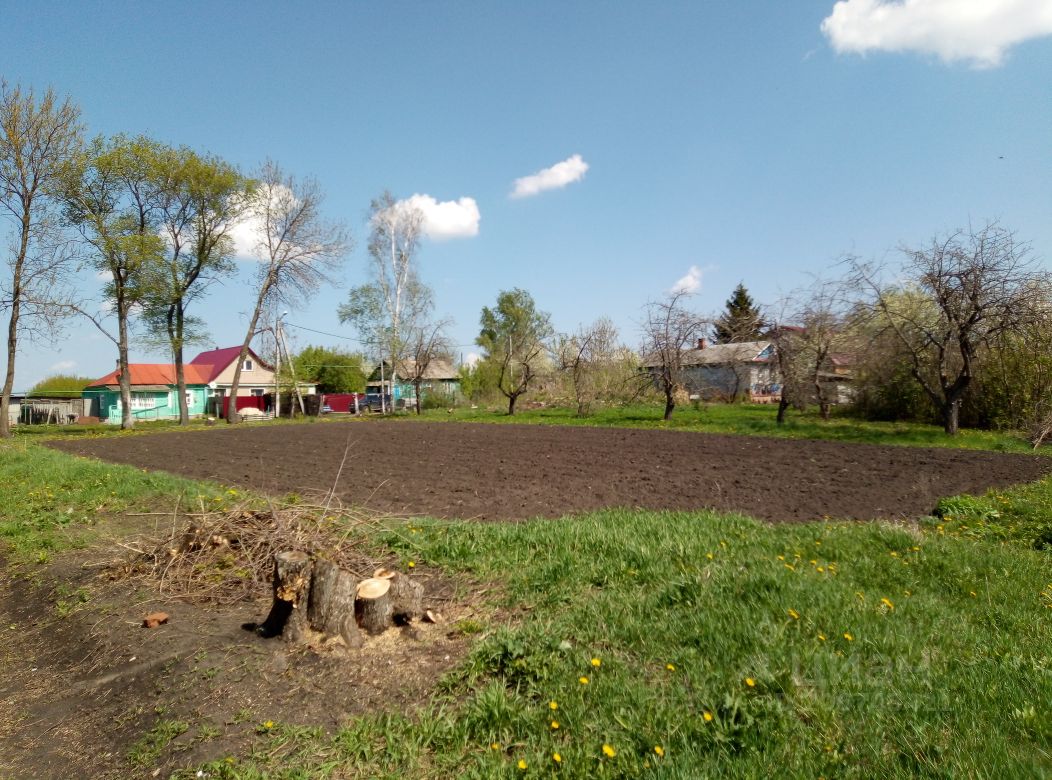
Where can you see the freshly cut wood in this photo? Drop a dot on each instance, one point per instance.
(383, 573)
(288, 612)
(407, 599)
(372, 607)
(331, 607)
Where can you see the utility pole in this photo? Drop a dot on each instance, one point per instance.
(277, 369)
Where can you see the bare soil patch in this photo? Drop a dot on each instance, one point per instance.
(510, 472)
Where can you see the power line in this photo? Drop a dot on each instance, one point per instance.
(348, 338)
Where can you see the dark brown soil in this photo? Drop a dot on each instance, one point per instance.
(506, 472)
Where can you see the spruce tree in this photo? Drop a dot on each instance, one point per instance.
(740, 321)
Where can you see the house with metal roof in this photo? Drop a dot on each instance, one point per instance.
(209, 378)
(727, 372)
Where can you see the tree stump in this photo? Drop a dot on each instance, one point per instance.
(372, 607)
(331, 606)
(288, 612)
(407, 599)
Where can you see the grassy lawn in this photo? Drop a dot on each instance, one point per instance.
(678, 644)
(750, 420)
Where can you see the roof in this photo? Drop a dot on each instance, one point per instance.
(720, 354)
(217, 360)
(156, 374)
(438, 368)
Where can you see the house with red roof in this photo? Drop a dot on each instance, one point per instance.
(208, 376)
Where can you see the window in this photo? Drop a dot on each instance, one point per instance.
(257, 391)
(247, 366)
(142, 401)
(189, 399)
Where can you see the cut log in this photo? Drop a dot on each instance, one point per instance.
(407, 599)
(288, 612)
(331, 606)
(372, 607)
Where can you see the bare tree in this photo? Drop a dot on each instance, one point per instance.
(956, 295)
(38, 140)
(669, 329)
(427, 344)
(598, 366)
(298, 248)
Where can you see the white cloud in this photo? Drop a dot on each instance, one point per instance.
(689, 283)
(63, 365)
(559, 175)
(246, 235)
(447, 218)
(975, 31)
(471, 359)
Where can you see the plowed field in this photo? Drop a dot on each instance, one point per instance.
(508, 472)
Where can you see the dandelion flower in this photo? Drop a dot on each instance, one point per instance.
(789, 566)
(848, 637)
(887, 603)
(553, 705)
(710, 556)
(794, 614)
(555, 724)
(582, 680)
(268, 724)
(659, 750)
(494, 746)
(596, 662)
(522, 763)
(973, 593)
(820, 570)
(707, 716)
(411, 564)
(750, 682)
(609, 751)
(557, 758)
(822, 637)
(670, 667)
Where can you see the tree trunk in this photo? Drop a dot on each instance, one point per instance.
(9, 379)
(511, 404)
(331, 604)
(783, 404)
(407, 599)
(670, 404)
(180, 374)
(950, 415)
(231, 410)
(292, 584)
(127, 419)
(373, 607)
(416, 390)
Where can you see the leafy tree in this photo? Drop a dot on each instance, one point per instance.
(39, 138)
(199, 200)
(332, 370)
(67, 385)
(111, 202)
(514, 335)
(741, 319)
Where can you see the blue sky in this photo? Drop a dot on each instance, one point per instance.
(754, 141)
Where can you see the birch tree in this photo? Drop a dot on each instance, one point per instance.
(39, 138)
(299, 250)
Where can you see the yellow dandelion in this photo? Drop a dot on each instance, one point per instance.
(794, 614)
(583, 680)
(596, 662)
(820, 570)
(522, 763)
(848, 637)
(894, 554)
(268, 724)
(494, 746)
(609, 751)
(789, 566)
(670, 667)
(973, 593)
(710, 556)
(822, 637)
(707, 716)
(557, 758)
(750, 682)
(411, 564)
(553, 705)
(555, 724)
(659, 750)
(887, 603)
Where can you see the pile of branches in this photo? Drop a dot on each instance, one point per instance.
(225, 556)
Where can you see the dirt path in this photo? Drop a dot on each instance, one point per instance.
(505, 472)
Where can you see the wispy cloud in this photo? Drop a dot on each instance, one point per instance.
(689, 282)
(446, 219)
(63, 365)
(976, 31)
(557, 176)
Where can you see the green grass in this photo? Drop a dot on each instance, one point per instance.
(947, 671)
(750, 420)
(874, 650)
(50, 501)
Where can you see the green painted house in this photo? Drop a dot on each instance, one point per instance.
(154, 392)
